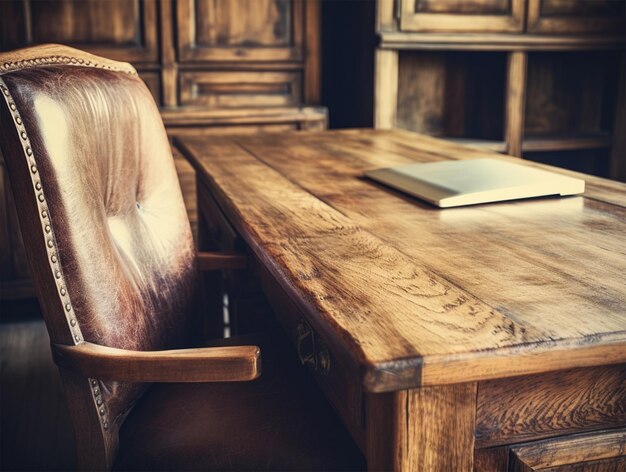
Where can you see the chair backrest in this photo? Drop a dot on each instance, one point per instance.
(101, 214)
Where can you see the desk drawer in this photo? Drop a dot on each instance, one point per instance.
(218, 89)
(600, 451)
(539, 406)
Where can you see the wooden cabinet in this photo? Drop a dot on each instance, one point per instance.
(240, 30)
(576, 16)
(466, 16)
(545, 87)
(124, 30)
(214, 66)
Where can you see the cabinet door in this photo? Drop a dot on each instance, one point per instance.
(124, 30)
(576, 16)
(240, 30)
(478, 16)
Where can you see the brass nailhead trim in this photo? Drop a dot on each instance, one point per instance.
(47, 227)
(52, 60)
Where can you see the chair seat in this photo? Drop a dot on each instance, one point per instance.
(277, 422)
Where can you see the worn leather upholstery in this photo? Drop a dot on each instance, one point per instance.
(123, 242)
(112, 257)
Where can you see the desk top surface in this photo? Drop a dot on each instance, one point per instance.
(414, 295)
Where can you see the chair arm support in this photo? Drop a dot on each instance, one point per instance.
(220, 260)
(209, 364)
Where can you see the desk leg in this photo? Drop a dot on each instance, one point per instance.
(423, 429)
(211, 283)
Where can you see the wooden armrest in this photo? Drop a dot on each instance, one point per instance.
(220, 260)
(209, 364)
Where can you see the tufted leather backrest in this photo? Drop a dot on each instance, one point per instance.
(100, 208)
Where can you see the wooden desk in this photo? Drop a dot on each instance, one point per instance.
(490, 337)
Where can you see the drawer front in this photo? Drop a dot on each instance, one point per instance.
(240, 89)
(552, 404)
(576, 16)
(480, 16)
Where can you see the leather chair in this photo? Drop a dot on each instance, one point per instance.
(116, 274)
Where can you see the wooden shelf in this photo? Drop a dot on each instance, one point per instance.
(542, 143)
(496, 42)
(566, 142)
(484, 144)
(201, 116)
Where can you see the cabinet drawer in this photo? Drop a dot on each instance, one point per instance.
(576, 16)
(240, 89)
(481, 16)
(553, 404)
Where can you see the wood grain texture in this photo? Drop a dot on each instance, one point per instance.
(601, 451)
(209, 364)
(515, 102)
(470, 16)
(385, 89)
(312, 53)
(240, 30)
(498, 42)
(372, 265)
(238, 89)
(116, 29)
(494, 459)
(575, 17)
(422, 429)
(524, 408)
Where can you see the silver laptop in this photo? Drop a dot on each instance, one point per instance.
(473, 181)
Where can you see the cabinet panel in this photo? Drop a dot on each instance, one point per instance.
(543, 405)
(576, 16)
(241, 88)
(482, 16)
(124, 30)
(240, 30)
